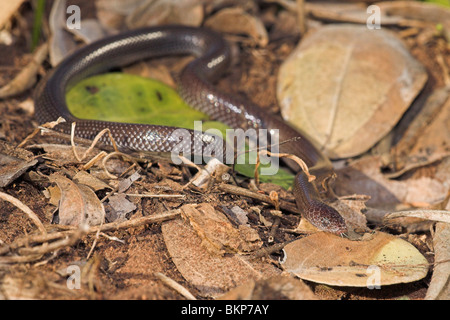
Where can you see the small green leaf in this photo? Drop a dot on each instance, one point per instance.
(441, 2)
(128, 98)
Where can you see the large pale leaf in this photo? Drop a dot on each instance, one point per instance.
(347, 86)
(380, 260)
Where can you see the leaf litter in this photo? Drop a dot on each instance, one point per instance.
(220, 263)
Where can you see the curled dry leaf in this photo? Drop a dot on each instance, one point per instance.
(364, 176)
(427, 137)
(211, 274)
(13, 163)
(434, 215)
(439, 286)
(78, 204)
(381, 260)
(82, 177)
(363, 80)
(237, 21)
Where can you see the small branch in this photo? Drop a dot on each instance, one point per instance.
(175, 285)
(25, 209)
(257, 196)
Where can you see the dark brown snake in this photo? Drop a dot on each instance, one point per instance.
(195, 87)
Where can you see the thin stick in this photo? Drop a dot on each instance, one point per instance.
(25, 209)
(257, 196)
(69, 230)
(44, 127)
(175, 285)
(155, 195)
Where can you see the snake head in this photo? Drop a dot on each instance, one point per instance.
(325, 218)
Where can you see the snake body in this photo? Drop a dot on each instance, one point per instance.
(195, 86)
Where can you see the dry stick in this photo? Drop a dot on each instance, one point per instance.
(42, 128)
(32, 239)
(257, 196)
(49, 247)
(175, 285)
(25, 209)
(138, 195)
(301, 16)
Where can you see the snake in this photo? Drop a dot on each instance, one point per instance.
(196, 86)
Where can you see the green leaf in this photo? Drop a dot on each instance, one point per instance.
(441, 2)
(128, 98)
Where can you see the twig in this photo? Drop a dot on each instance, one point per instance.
(25, 209)
(49, 247)
(257, 196)
(70, 230)
(174, 285)
(155, 195)
(42, 128)
(301, 16)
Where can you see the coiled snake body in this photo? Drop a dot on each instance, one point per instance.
(195, 87)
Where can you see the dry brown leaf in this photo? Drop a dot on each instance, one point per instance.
(364, 176)
(381, 260)
(279, 287)
(436, 136)
(363, 80)
(112, 13)
(78, 204)
(157, 12)
(82, 177)
(62, 155)
(212, 275)
(237, 21)
(439, 288)
(416, 10)
(119, 206)
(12, 168)
(217, 233)
(434, 215)
(427, 136)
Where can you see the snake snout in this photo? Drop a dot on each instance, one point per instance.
(326, 218)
